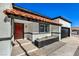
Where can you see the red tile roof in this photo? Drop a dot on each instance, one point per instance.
(25, 14)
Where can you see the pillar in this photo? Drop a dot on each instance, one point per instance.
(59, 33)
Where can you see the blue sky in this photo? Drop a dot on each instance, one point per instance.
(67, 10)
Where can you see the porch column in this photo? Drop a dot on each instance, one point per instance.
(59, 33)
(50, 29)
(70, 32)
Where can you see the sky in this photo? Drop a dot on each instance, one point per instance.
(69, 11)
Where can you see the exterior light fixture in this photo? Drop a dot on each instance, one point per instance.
(6, 19)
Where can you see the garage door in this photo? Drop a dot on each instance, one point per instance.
(65, 32)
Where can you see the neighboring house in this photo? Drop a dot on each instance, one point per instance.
(17, 23)
(75, 30)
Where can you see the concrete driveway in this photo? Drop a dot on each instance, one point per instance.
(71, 48)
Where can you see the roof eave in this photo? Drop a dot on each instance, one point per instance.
(61, 17)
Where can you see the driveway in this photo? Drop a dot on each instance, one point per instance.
(71, 48)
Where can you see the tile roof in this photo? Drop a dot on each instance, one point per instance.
(29, 15)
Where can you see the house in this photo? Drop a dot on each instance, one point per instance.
(75, 30)
(17, 23)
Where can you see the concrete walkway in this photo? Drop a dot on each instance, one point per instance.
(23, 47)
(72, 43)
(66, 47)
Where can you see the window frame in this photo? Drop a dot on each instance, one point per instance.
(46, 28)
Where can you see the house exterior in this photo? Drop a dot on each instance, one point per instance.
(5, 31)
(17, 23)
(75, 30)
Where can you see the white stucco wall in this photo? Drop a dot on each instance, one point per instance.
(64, 23)
(5, 48)
(5, 27)
(5, 30)
(28, 28)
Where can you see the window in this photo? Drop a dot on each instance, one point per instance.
(43, 27)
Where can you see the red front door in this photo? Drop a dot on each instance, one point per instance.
(19, 31)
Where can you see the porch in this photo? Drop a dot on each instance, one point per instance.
(36, 33)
